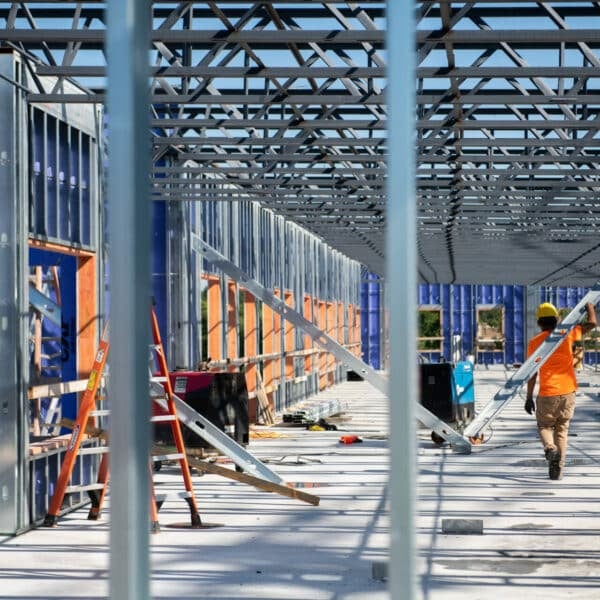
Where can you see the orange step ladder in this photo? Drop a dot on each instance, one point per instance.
(84, 424)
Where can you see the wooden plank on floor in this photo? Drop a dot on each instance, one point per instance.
(262, 484)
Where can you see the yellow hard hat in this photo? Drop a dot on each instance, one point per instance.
(546, 309)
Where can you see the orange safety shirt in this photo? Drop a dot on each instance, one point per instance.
(556, 376)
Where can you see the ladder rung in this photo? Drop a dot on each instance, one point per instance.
(84, 488)
(99, 413)
(162, 418)
(163, 497)
(159, 457)
(159, 379)
(94, 450)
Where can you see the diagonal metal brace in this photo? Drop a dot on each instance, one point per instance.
(209, 432)
(457, 441)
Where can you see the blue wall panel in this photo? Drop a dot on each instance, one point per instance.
(51, 175)
(85, 190)
(509, 324)
(520, 327)
(461, 304)
(374, 318)
(159, 264)
(446, 322)
(68, 287)
(466, 322)
(38, 220)
(364, 322)
(61, 178)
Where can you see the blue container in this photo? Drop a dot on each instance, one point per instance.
(464, 391)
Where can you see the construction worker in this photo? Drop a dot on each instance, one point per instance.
(557, 386)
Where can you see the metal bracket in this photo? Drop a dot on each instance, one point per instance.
(457, 441)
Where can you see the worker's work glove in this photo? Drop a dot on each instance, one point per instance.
(530, 406)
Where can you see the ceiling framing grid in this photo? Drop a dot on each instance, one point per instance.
(277, 102)
(284, 103)
(507, 101)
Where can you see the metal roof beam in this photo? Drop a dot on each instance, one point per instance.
(518, 38)
(205, 39)
(255, 141)
(334, 171)
(208, 99)
(229, 72)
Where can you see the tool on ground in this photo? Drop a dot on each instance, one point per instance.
(321, 425)
(350, 439)
(294, 460)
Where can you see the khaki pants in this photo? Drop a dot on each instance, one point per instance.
(553, 414)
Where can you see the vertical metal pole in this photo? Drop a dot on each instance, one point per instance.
(531, 301)
(14, 413)
(178, 261)
(401, 274)
(129, 238)
(281, 284)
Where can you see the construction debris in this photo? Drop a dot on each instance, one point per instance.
(350, 439)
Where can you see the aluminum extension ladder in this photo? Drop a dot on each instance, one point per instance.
(490, 411)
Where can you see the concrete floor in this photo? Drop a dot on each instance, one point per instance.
(267, 545)
(540, 538)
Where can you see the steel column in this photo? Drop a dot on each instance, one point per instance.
(13, 296)
(129, 237)
(401, 268)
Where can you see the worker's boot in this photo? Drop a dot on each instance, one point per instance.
(554, 468)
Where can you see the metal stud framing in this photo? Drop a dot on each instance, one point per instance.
(283, 103)
(279, 255)
(274, 102)
(508, 155)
